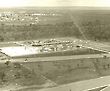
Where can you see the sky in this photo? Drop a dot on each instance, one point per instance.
(41, 3)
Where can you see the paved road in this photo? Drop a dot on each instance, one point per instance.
(82, 85)
(58, 58)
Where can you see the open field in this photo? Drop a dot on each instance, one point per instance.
(57, 22)
(52, 73)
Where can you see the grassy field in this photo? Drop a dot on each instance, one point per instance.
(52, 73)
(63, 72)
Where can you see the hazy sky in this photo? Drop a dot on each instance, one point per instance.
(18, 3)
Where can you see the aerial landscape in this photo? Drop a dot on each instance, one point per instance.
(54, 48)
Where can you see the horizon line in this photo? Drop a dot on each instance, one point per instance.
(55, 6)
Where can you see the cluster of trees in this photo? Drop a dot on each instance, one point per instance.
(93, 30)
(23, 32)
(96, 30)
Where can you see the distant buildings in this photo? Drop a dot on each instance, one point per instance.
(23, 18)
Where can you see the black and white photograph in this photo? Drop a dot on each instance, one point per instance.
(54, 45)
